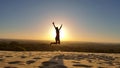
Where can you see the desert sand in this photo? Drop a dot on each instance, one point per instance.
(58, 59)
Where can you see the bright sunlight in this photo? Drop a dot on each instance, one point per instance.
(63, 33)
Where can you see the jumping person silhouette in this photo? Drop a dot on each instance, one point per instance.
(57, 38)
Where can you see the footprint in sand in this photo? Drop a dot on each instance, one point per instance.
(15, 62)
(23, 56)
(30, 61)
(10, 67)
(101, 67)
(51, 64)
(47, 63)
(8, 56)
(1, 59)
(81, 65)
(60, 66)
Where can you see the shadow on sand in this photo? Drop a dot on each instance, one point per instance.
(55, 62)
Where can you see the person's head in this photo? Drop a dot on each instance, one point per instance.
(56, 28)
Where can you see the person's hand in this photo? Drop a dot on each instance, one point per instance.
(53, 23)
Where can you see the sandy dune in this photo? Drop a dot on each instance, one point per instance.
(57, 59)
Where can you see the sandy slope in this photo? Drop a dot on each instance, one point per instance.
(57, 59)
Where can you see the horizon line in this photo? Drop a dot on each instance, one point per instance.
(62, 41)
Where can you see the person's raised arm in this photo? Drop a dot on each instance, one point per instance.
(60, 27)
(53, 24)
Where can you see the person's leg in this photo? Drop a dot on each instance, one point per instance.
(54, 42)
(58, 40)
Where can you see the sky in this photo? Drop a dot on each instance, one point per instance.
(83, 20)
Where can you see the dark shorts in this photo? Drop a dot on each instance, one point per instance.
(57, 38)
